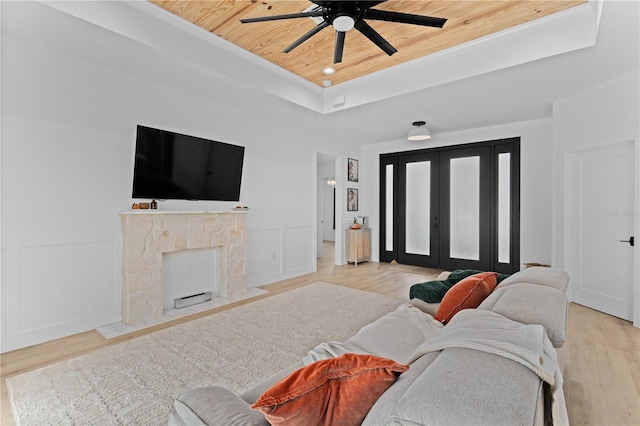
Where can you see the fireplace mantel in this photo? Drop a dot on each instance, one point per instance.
(149, 233)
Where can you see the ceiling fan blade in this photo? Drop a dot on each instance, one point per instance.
(311, 14)
(404, 18)
(307, 36)
(373, 35)
(337, 52)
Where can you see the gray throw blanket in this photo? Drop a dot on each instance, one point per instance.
(489, 332)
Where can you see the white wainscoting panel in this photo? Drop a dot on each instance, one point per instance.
(277, 252)
(264, 255)
(61, 285)
(299, 244)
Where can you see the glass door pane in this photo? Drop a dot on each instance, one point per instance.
(417, 213)
(504, 207)
(464, 192)
(388, 214)
(418, 208)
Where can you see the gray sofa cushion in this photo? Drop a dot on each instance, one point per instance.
(251, 395)
(397, 334)
(550, 277)
(462, 387)
(213, 405)
(532, 304)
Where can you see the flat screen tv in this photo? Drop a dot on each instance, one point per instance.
(173, 166)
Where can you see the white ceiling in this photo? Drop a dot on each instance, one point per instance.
(134, 38)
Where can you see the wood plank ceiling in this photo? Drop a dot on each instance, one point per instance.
(467, 20)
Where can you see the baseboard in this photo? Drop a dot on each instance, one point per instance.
(269, 279)
(58, 331)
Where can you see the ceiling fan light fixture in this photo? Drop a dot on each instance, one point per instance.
(343, 16)
(419, 133)
(343, 22)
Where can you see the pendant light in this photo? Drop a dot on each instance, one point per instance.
(419, 133)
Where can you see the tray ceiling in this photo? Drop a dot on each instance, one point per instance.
(468, 20)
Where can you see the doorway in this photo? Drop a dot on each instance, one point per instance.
(327, 218)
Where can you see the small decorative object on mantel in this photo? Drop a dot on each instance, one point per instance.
(154, 204)
(240, 208)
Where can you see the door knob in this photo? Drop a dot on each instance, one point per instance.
(631, 241)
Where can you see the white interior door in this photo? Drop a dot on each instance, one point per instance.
(601, 197)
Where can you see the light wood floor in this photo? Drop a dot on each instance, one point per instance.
(602, 378)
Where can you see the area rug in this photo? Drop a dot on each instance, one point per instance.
(135, 382)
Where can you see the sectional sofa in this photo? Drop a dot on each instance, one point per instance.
(494, 364)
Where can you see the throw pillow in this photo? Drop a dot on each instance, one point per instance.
(335, 391)
(458, 275)
(434, 291)
(468, 293)
(430, 291)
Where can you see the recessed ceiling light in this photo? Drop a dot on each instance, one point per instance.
(328, 70)
(327, 83)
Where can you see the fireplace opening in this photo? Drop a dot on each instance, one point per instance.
(190, 277)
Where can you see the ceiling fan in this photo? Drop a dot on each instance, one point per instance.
(345, 15)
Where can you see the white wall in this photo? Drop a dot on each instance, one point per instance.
(535, 179)
(68, 135)
(607, 113)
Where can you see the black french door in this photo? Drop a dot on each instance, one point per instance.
(418, 200)
(452, 207)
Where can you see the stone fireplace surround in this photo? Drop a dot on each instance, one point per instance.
(149, 233)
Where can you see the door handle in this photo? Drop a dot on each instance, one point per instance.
(631, 241)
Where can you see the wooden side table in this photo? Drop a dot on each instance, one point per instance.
(358, 245)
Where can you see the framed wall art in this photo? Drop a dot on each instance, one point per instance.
(352, 170)
(352, 200)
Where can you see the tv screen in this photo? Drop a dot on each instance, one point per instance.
(170, 165)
